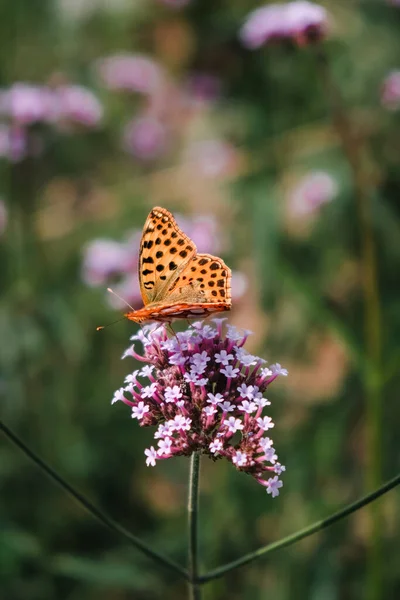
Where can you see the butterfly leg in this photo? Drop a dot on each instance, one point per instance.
(171, 329)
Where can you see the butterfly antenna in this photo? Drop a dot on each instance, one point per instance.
(120, 298)
(109, 324)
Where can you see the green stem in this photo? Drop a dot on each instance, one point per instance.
(355, 153)
(91, 508)
(303, 533)
(193, 516)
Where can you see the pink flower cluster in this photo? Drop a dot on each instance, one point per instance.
(204, 392)
(23, 105)
(300, 21)
(106, 261)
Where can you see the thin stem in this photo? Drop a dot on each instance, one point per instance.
(91, 508)
(193, 516)
(355, 153)
(303, 533)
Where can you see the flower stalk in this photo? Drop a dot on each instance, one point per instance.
(193, 518)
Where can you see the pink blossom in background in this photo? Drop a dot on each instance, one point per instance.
(390, 92)
(262, 25)
(104, 258)
(304, 18)
(130, 72)
(300, 21)
(145, 138)
(77, 104)
(26, 104)
(311, 192)
(211, 158)
(3, 217)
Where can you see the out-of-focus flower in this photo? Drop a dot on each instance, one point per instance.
(311, 192)
(77, 104)
(145, 138)
(212, 158)
(390, 92)
(130, 72)
(25, 104)
(196, 405)
(104, 258)
(300, 21)
(3, 216)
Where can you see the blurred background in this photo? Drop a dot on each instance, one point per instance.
(110, 108)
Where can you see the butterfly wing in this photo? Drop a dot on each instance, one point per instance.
(165, 251)
(206, 279)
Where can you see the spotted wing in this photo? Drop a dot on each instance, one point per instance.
(205, 279)
(165, 251)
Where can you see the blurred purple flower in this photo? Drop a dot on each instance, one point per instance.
(300, 21)
(105, 258)
(390, 92)
(26, 104)
(313, 190)
(199, 406)
(212, 158)
(77, 104)
(130, 72)
(145, 138)
(3, 217)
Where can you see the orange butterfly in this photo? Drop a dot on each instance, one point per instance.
(175, 281)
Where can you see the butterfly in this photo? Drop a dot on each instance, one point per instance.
(175, 281)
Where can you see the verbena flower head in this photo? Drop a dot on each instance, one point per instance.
(204, 392)
(300, 21)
